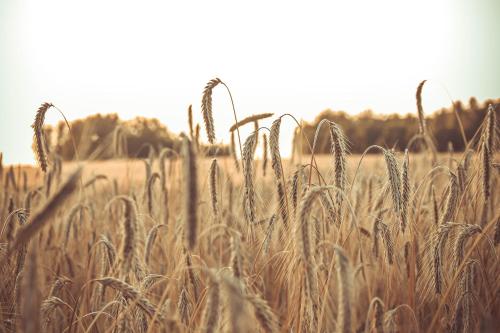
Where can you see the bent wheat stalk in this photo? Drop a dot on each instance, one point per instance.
(206, 109)
(46, 214)
(250, 119)
(39, 137)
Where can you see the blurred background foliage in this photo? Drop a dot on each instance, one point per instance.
(94, 134)
(368, 128)
(94, 138)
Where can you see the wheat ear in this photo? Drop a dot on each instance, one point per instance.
(39, 145)
(236, 263)
(394, 179)
(451, 200)
(376, 323)
(491, 128)
(339, 151)
(458, 250)
(129, 242)
(211, 315)
(150, 241)
(264, 314)
(213, 177)
(249, 191)
(405, 191)
(250, 119)
(435, 207)
(131, 293)
(421, 117)
(190, 122)
(277, 168)
(264, 154)
(441, 237)
(190, 193)
(184, 307)
(206, 109)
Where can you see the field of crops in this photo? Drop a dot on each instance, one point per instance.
(390, 241)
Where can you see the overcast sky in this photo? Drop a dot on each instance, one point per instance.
(153, 58)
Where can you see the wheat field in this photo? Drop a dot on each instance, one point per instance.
(391, 241)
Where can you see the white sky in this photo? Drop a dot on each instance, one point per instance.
(153, 58)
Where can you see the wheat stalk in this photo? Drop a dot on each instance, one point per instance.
(108, 256)
(465, 288)
(193, 279)
(250, 119)
(128, 248)
(151, 238)
(435, 207)
(277, 168)
(184, 307)
(376, 324)
(330, 210)
(130, 293)
(264, 314)
(47, 307)
(190, 122)
(39, 145)
(149, 191)
(496, 240)
(421, 117)
(249, 191)
(269, 233)
(380, 228)
(190, 193)
(303, 228)
(304, 244)
(491, 128)
(394, 179)
(294, 191)
(344, 290)
(69, 222)
(211, 315)
(119, 141)
(451, 200)
(213, 176)
(206, 109)
(30, 300)
(486, 173)
(458, 250)
(264, 154)
(197, 136)
(46, 213)
(233, 152)
(458, 318)
(236, 262)
(405, 191)
(462, 177)
(339, 151)
(441, 237)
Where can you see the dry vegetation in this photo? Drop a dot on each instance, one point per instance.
(392, 242)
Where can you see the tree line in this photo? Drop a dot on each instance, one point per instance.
(395, 131)
(94, 135)
(95, 138)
